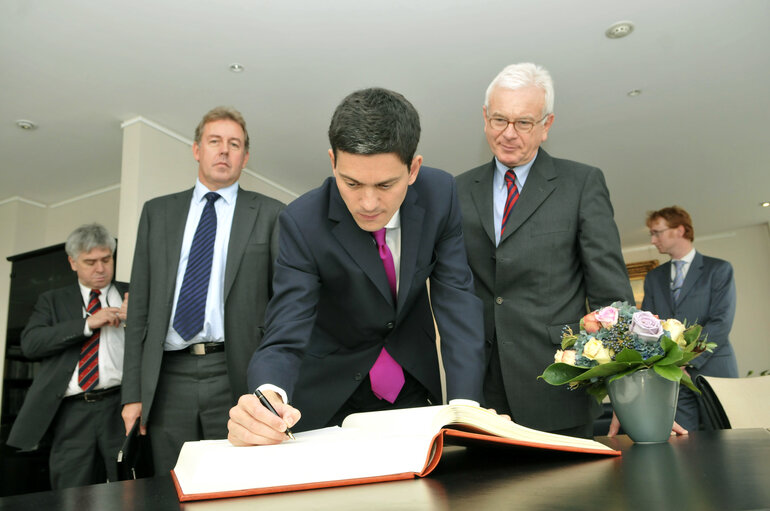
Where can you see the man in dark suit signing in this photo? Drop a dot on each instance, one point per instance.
(695, 288)
(201, 280)
(76, 334)
(541, 241)
(350, 327)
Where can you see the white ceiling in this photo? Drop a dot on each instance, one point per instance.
(697, 136)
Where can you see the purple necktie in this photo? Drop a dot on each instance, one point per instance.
(386, 374)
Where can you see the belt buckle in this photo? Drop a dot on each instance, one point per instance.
(89, 397)
(198, 349)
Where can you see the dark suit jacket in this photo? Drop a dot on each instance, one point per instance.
(248, 272)
(560, 248)
(53, 335)
(707, 298)
(333, 311)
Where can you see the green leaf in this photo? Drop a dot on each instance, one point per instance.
(560, 373)
(669, 372)
(568, 341)
(691, 334)
(602, 370)
(673, 352)
(687, 382)
(599, 392)
(629, 355)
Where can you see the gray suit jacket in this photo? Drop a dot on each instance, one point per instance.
(53, 335)
(561, 247)
(707, 298)
(248, 275)
(333, 310)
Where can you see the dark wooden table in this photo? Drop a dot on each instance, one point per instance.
(721, 470)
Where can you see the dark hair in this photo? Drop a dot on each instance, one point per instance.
(223, 113)
(88, 237)
(674, 217)
(375, 121)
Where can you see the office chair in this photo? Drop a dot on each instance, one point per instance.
(732, 403)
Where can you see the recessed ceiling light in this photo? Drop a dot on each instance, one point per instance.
(236, 68)
(619, 29)
(26, 125)
(634, 93)
(765, 204)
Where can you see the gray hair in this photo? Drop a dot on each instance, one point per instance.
(223, 113)
(88, 237)
(517, 76)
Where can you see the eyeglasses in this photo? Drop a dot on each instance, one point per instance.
(520, 125)
(654, 234)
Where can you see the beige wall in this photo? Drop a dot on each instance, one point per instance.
(748, 249)
(155, 162)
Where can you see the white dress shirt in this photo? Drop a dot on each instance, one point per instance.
(111, 343)
(213, 325)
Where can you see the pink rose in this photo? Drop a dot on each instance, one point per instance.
(608, 316)
(646, 326)
(589, 323)
(565, 357)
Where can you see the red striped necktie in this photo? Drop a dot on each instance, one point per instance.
(510, 200)
(88, 365)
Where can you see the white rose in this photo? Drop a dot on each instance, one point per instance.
(675, 328)
(595, 350)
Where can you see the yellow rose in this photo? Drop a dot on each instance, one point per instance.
(595, 350)
(676, 329)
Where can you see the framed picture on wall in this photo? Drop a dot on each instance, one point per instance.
(636, 273)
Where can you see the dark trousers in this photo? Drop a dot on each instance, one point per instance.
(192, 402)
(86, 439)
(496, 398)
(363, 399)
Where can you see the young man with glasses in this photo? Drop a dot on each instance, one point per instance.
(692, 287)
(541, 241)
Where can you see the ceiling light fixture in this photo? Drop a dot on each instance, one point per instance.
(236, 68)
(26, 125)
(634, 93)
(765, 204)
(619, 29)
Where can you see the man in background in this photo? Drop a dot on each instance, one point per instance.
(694, 288)
(76, 334)
(350, 327)
(541, 241)
(202, 273)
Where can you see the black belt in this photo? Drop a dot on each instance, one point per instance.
(95, 395)
(201, 348)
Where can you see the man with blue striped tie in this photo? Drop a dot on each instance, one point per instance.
(203, 271)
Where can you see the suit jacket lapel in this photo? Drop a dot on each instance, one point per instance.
(693, 274)
(481, 193)
(244, 216)
(411, 233)
(73, 302)
(540, 184)
(176, 219)
(359, 244)
(664, 279)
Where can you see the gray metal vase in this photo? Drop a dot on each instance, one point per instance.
(645, 404)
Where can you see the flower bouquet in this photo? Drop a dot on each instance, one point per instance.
(619, 340)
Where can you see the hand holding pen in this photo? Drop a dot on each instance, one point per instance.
(261, 419)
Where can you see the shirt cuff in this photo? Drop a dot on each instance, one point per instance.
(468, 402)
(278, 390)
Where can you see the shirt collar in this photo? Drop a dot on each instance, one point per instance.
(688, 257)
(395, 221)
(522, 171)
(228, 193)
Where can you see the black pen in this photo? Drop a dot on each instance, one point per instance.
(266, 404)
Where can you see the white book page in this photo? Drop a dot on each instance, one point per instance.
(324, 455)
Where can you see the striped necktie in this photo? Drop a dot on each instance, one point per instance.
(676, 285)
(510, 200)
(386, 375)
(191, 304)
(88, 365)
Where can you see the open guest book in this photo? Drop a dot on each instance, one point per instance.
(368, 447)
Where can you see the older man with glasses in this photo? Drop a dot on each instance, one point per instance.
(541, 241)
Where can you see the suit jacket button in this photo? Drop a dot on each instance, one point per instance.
(390, 325)
(358, 377)
(499, 300)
